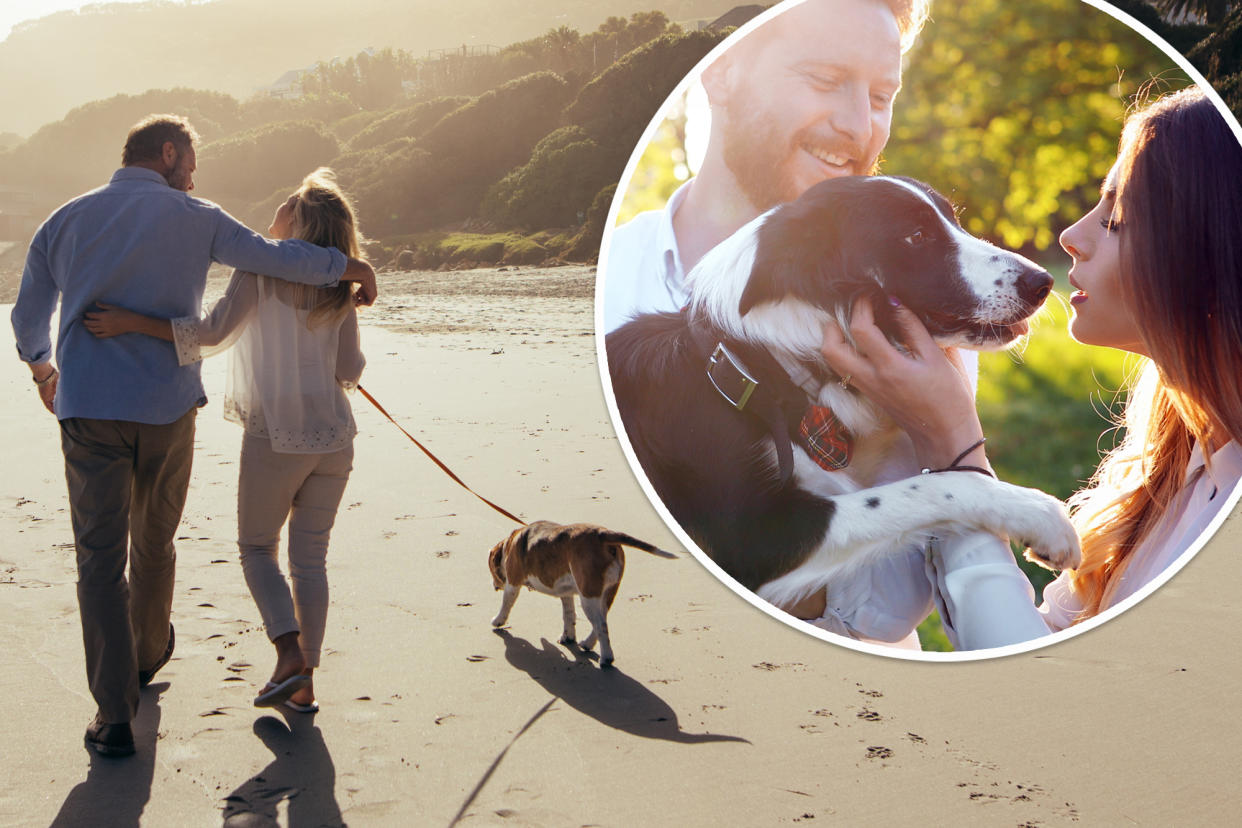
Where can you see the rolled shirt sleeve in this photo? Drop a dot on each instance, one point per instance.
(36, 301)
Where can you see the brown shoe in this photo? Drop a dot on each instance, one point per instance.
(145, 676)
(110, 739)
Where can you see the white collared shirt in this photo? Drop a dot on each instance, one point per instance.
(642, 270)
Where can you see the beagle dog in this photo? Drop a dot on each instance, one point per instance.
(577, 559)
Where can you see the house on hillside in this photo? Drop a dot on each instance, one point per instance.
(287, 86)
(733, 18)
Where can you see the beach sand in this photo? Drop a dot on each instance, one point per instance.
(715, 713)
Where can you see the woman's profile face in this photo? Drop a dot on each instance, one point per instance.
(1101, 314)
(282, 222)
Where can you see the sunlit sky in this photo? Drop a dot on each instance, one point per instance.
(17, 11)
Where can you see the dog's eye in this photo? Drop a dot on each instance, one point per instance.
(916, 238)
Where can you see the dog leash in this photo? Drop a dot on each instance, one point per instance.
(435, 459)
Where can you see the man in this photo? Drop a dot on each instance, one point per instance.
(805, 97)
(126, 409)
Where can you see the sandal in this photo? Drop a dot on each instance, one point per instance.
(274, 694)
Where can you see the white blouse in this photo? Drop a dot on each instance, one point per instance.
(1203, 495)
(287, 380)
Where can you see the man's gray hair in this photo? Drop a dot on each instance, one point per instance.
(146, 138)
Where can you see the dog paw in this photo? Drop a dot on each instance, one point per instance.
(588, 643)
(605, 662)
(499, 621)
(1041, 523)
(567, 640)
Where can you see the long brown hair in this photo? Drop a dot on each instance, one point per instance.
(1180, 211)
(322, 215)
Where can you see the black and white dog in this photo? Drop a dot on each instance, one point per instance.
(715, 399)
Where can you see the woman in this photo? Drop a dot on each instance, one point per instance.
(296, 350)
(1158, 272)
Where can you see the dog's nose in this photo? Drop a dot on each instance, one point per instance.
(1034, 285)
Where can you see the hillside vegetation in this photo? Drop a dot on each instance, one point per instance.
(523, 139)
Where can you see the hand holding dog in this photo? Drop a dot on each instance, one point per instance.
(924, 389)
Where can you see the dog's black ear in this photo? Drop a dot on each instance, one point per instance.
(800, 252)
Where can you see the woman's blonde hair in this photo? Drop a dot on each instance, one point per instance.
(1180, 215)
(322, 215)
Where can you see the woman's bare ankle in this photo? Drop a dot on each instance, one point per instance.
(289, 659)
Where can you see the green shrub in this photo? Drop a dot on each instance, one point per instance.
(554, 188)
(585, 247)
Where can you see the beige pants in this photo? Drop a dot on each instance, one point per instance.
(306, 489)
(127, 486)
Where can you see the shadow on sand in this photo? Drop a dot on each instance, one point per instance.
(301, 773)
(609, 696)
(116, 789)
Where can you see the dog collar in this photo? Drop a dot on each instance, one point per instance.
(754, 383)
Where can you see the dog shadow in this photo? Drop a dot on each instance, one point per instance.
(118, 786)
(302, 773)
(609, 696)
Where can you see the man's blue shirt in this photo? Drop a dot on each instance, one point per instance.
(139, 244)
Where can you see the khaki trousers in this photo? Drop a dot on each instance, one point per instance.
(127, 488)
(306, 489)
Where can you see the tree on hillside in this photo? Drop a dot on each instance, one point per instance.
(370, 81)
(562, 41)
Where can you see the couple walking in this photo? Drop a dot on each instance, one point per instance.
(128, 262)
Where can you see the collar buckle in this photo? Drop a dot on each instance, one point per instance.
(730, 377)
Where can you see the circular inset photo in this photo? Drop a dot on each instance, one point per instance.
(923, 332)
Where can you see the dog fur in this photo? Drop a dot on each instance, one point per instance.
(771, 287)
(578, 559)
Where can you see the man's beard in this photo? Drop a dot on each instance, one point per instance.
(178, 179)
(760, 158)
(752, 152)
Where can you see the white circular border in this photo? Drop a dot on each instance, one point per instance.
(712, 566)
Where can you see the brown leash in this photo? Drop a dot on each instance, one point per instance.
(435, 459)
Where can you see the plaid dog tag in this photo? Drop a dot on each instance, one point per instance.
(829, 443)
